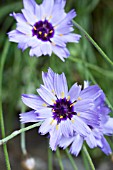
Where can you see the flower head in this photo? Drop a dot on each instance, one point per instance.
(44, 28)
(96, 137)
(64, 113)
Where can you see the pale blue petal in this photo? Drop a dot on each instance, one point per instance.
(61, 3)
(60, 85)
(33, 101)
(65, 142)
(105, 148)
(74, 92)
(46, 95)
(70, 37)
(76, 145)
(86, 84)
(83, 105)
(44, 113)
(30, 17)
(91, 92)
(66, 128)
(16, 36)
(29, 4)
(29, 117)
(48, 6)
(38, 12)
(19, 17)
(58, 41)
(24, 28)
(90, 118)
(108, 127)
(48, 79)
(46, 48)
(68, 19)
(35, 52)
(63, 29)
(80, 127)
(61, 52)
(45, 126)
(91, 141)
(55, 136)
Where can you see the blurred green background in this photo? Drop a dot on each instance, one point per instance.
(22, 74)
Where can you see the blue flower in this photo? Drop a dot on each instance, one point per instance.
(45, 28)
(63, 113)
(96, 137)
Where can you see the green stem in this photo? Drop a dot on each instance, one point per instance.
(71, 160)
(93, 67)
(3, 58)
(17, 132)
(93, 42)
(22, 139)
(59, 159)
(50, 166)
(88, 157)
(23, 142)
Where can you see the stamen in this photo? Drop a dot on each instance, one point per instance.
(72, 104)
(50, 18)
(72, 120)
(44, 104)
(62, 95)
(79, 98)
(53, 43)
(57, 127)
(53, 91)
(61, 117)
(34, 28)
(52, 122)
(40, 32)
(78, 114)
(45, 35)
(68, 98)
(53, 110)
(51, 31)
(53, 101)
(60, 34)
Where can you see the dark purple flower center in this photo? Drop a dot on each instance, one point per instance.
(62, 110)
(43, 30)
